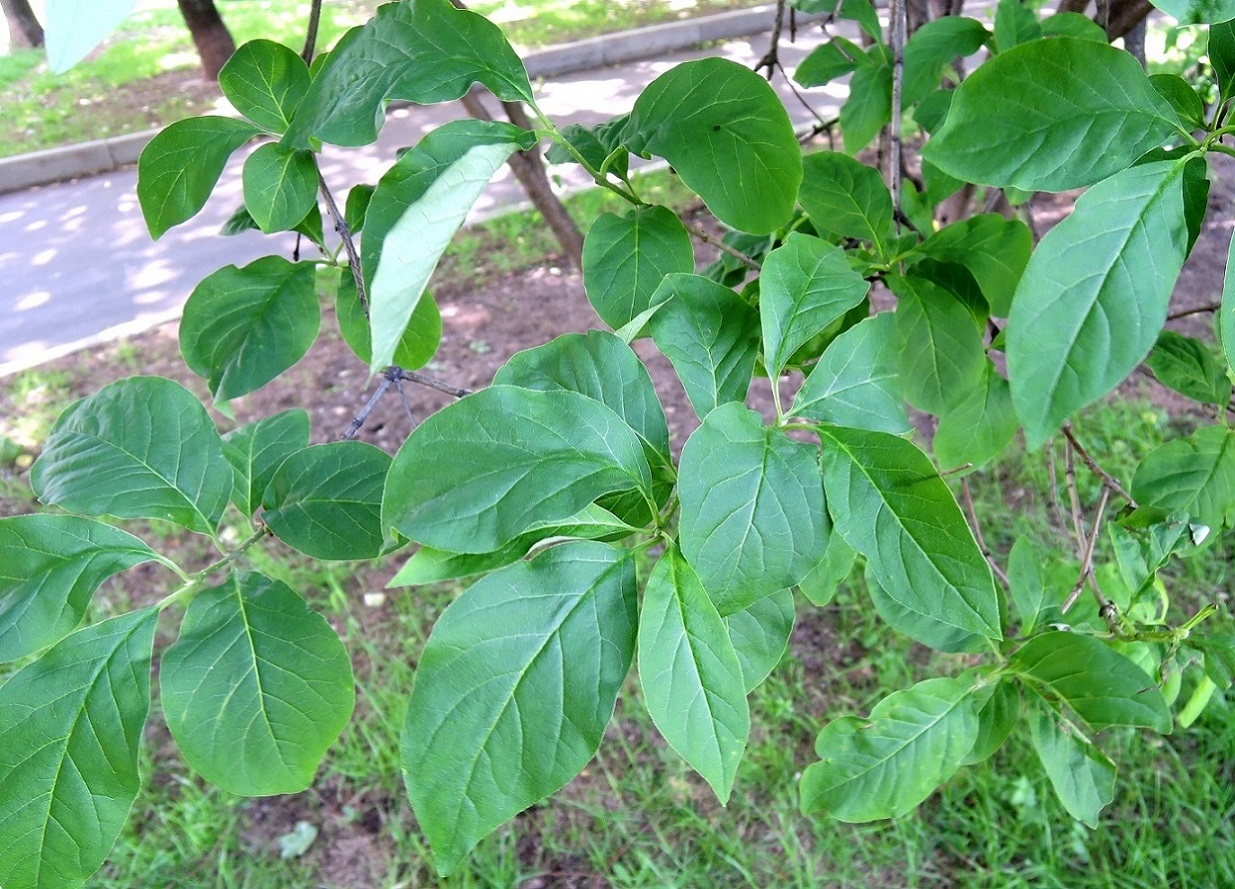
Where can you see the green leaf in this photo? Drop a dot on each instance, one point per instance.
(942, 357)
(1194, 12)
(466, 480)
(855, 383)
(826, 62)
(179, 167)
(860, 11)
(75, 27)
(690, 674)
(599, 365)
(934, 47)
(280, 186)
(514, 690)
(242, 327)
(892, 507)
(805, 285)
(725, 151)
(429, 565)
(358, 198)
(71, 724)
(1221, 51)
(140, 448)
(1082, 775)
(50, 566)
(760, 635)
(326, 500)
(1072, 24)
(885, 765)
(1103, 687)
(846, 197)
(712, 337)
(924, 627)
(1194, 475)
(626, 257)
(1190, 368)
(996, 719)
(869, 106)
(1101, 115)
(977, 430)
(1226, 314)
(256, 688)
(820, 585)
(265, 82)
(424, 52)
(1015, 23)
(418, 206)
(1094, 296)
(256, 450)
(420, 339)
(994, 249)
(753, 520)
(1182, 97)
(1029, 589)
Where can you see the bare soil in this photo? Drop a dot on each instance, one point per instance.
(485, 324)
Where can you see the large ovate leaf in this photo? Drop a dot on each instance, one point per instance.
(712, 337)
(625, 257)
(933, 47)
(71, 726)
(514, 689)
(1193, 475)
(418, 206)
(140, 448)
(891, 506)
(826, 62)
(996, 719)
(256, 449)
(977, 430)
(1186, 365)
(280, 186)
(75, 27)
(804, 286)
(1050, 115)
(1081, 774)
(256, 688)
(994, 249)
(423, 51)
(753, 519)
(856, 382)
(265, 82)
(690, 674)
(50, 566)
(467, 481)
(885, 765)
(242, 327)
(846, 197)
(942, 357)
(760, 635)
(1103, 687)
(728, 149)
(326, 500)
(179, 167)
(929, 629)
(1094, 296)
(599, 365)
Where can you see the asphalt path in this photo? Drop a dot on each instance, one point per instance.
(78, 266)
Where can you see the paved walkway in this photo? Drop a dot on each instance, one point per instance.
(77, 265)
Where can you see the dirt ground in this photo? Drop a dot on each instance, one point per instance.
(484, 325)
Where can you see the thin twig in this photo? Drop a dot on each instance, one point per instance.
(1087, 562)
(407, 405)
(1196, 310)
(349, 246)
(898, 26)
(359, 419)
(420, 379)
(977, 534)
(771, 58)
(793, 88)
(1108, 480)
(748, 261)
(1074, 499)
(310, 40)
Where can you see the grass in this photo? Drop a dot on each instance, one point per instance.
(137, 80)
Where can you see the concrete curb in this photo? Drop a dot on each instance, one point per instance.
(105, 155)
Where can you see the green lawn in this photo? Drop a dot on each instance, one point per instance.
(137, 80)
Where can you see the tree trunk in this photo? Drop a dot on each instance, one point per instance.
(210, 35)
(25, 32)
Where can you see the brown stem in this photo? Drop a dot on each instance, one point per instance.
(977, 534)
(1087, 563)
(1196, 310)
(1108, 480)
(771, 58)
(898, 23)
(310, 39)
(345, 234)
(359, 419)
(741, 257)
(430, 382)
